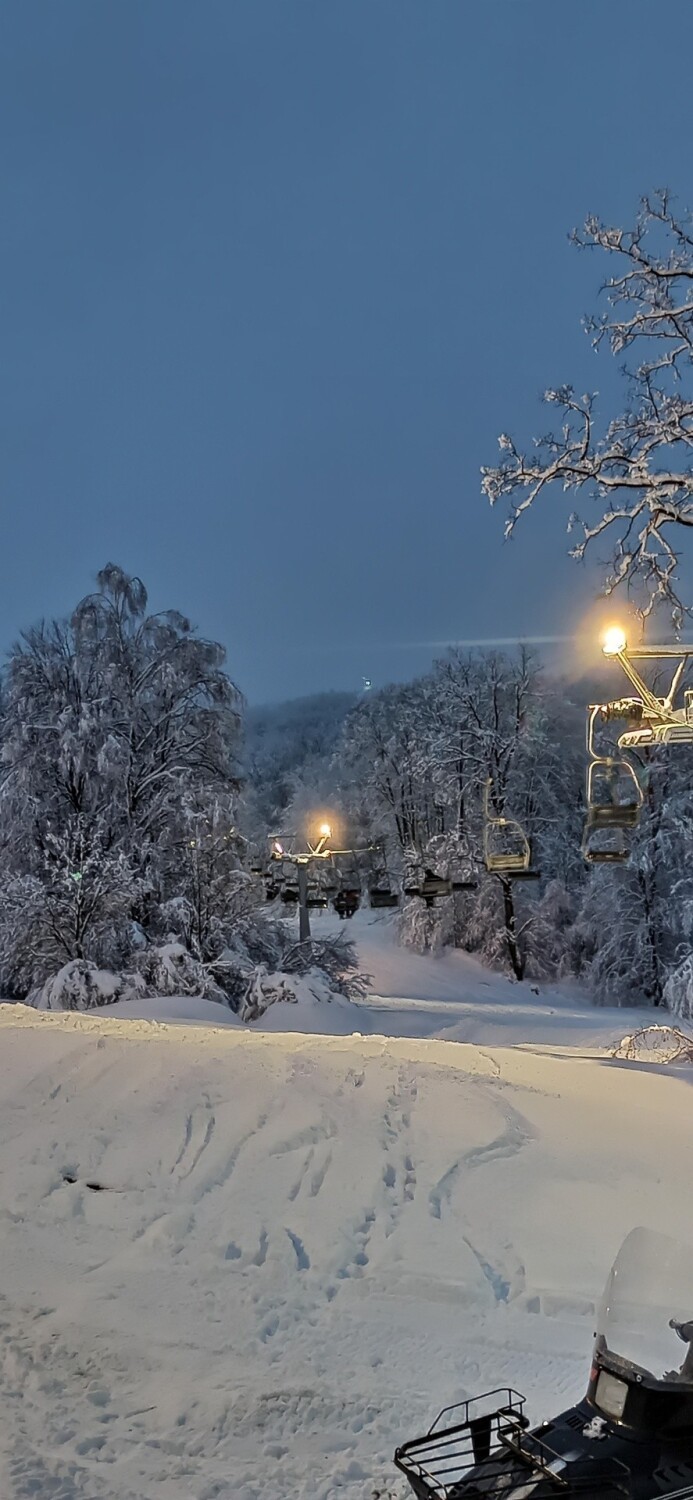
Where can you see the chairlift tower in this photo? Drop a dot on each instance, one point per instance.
(614, 794)
(319, 852)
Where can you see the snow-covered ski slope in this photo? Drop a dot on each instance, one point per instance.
(452, 997)
(245, 1264)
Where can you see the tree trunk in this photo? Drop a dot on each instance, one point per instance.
(514, 951)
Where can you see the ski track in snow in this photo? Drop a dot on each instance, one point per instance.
(295, 1250)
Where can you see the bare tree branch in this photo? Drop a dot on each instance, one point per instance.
(638, 468)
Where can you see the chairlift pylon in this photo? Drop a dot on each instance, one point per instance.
(652, 720)
(507, 850)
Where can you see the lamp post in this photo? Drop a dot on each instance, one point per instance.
(313, 854)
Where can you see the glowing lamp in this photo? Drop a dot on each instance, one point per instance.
(614, 641)
(325, 831)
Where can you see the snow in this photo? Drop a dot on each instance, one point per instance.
(281, 1253)
(455, 997)
(451, 996)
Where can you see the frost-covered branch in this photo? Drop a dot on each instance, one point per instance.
(638, 466)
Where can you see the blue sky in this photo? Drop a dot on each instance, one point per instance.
(275, 275)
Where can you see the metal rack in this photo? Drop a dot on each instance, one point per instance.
(482, 1455)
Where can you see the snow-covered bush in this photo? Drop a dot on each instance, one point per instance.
(320, 971)
(165, 970)
(263, 959)
(79, 985)
(171, 970)
(264, 989)
(333, 958)
(655, 1044)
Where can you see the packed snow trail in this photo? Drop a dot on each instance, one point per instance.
(454, 996)
(246, 1265)
(450, 996)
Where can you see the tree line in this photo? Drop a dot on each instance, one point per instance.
(408, 774)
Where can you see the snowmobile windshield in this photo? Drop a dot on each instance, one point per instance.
(646, 1316)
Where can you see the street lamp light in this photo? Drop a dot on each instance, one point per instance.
(614, 641)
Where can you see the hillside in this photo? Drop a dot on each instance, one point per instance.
(245, 1264)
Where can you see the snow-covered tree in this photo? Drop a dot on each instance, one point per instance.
(635, 923)
(635, 470)
(635, 465)
(116, 725)
(414, 764)
(287, 752)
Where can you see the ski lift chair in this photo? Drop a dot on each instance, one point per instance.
(608, 812)
(347, 901)
(609, 816)
(382, 896)
(507, 850)
(430, 887)
(433, 887)
(316, 898)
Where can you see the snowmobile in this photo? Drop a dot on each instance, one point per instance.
(629, 1438)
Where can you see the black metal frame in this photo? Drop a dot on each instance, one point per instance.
(491, 1436)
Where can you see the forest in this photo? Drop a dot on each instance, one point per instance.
(406, 774)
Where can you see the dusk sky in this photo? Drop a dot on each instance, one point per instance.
(275, 275)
